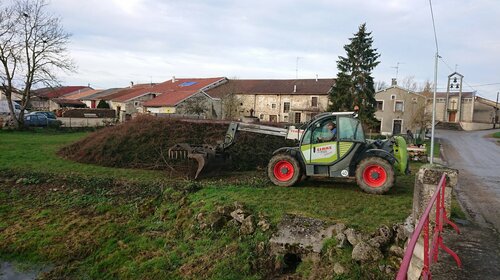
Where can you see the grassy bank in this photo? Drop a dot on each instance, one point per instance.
(36, 151)
(96, 223)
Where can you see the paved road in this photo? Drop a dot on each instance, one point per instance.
(478, 160)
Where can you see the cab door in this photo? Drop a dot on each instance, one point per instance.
(317, 147)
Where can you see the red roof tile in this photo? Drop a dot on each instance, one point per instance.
(172, 92)
(82, 94)
(125, 91)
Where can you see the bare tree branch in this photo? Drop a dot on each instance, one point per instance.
(33, 49)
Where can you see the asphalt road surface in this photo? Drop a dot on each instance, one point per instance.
(478, 160)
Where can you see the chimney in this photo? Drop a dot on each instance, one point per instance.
(173, 79)
(131, 84)
(316, 77)
(394, 82)
(294, 88)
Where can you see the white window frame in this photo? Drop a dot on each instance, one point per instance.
(383, 104)
(395, 102)
(402, 125)
(393, 97)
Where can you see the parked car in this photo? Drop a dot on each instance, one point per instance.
(48, 114)
(40, 119)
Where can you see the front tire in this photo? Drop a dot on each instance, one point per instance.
(284, 170)
(375, 175)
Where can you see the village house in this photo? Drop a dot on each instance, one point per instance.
(293, 101)
(400, 110)
(50, 99)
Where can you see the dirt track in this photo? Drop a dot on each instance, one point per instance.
(478, 160)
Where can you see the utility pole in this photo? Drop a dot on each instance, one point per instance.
(297, 67)
(495, 118)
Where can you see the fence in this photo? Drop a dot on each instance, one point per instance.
(430, 254)
(86, 122)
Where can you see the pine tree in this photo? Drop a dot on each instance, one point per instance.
(354, 85)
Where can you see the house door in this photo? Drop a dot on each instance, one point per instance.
(396, 127)
(452, 116)
(273, 118)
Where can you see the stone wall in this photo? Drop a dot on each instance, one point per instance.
(426, 181)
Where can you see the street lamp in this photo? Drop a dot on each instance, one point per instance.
(435, 87)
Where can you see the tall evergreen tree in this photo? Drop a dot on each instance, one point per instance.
(354, 85)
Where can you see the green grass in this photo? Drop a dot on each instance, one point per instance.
(99, 228)
(496, 135)
(36, 151)
(437, 148)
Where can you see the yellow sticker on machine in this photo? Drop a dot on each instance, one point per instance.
(344, 148)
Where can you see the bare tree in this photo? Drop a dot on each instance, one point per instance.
(196, 105)
(33, 47)
(380, 85)
(231, 103)
(409, 83)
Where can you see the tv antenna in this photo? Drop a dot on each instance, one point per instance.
(397, 69)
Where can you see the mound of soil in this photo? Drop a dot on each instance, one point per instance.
(144, 143)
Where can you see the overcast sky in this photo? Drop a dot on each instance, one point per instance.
(118, 41)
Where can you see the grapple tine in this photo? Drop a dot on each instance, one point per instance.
(201, 159)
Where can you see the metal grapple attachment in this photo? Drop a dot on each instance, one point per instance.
(208, 157)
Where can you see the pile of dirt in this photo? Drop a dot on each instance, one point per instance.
(144, 143)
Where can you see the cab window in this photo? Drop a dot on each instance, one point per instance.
(350, 130)
(322, 132)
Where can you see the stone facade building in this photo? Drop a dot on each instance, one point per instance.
(292, 101)
(399, 110)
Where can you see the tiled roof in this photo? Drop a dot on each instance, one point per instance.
(82, 94)
(125, 91)
(169, 99)
(58, 91)
(174, 91)
(100, 95)
(299, 86)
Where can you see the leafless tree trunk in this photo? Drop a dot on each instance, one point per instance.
(33, 47)
(231, 103)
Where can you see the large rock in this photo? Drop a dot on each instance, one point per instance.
(239, 215)
(339, 228)
(341, 240)
(300, 235)
(247, 226)
(382, 237)
(363, 252)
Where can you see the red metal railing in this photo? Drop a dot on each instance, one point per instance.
(430, 254)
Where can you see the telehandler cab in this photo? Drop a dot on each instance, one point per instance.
(322, 152)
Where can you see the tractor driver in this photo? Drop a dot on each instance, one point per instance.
(330, 134)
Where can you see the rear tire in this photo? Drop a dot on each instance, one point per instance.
(284, 170)
(375, 175)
